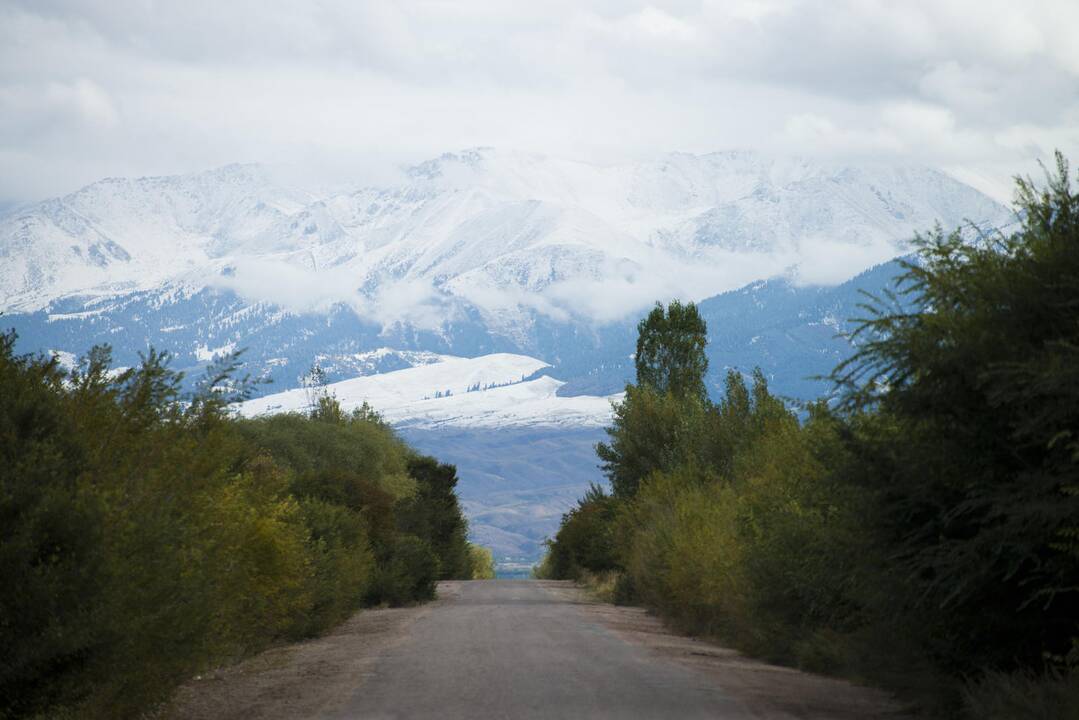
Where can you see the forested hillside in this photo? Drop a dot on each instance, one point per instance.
(921, 532)
(147, 535)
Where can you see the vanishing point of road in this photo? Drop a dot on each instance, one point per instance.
(515, 649)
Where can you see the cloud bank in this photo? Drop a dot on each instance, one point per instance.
(346, 89)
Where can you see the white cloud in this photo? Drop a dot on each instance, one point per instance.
(293, 287)
(824, 261)
(126, 87)
(662, 278)
(304, 290)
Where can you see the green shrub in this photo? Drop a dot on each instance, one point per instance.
(585, 539)
(806, 557)
(482, 562)
(143, 539)
(341, 461)
(682, 555)
(410, 573)
(344, 564)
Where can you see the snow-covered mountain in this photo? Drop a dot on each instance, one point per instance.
(507, 235)
(513, 281)
(122, 234)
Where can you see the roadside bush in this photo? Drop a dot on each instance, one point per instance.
(482, 561)
(682, 554)
(585, 540)
(254, 547)
(1022, 696)
(806, 557)
(409, 573)
(340, 459)
(144, 538)
(343, 563)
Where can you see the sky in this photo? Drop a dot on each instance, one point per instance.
(350, 90)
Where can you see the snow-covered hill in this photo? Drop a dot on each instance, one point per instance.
(493, 391)
(524, 453)
(506, 234)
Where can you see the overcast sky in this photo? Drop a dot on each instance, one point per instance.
(980, 88)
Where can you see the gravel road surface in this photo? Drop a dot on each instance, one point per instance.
(516, 649)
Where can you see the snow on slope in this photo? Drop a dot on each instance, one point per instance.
(489, 391)
(122, 234)
(503, 232)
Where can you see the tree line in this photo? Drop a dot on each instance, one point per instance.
(146, 536)
(919, 529)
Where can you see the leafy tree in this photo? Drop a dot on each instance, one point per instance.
(660, 423)
(434, 515)
(651, 432)
(972, 368)
(585, 539)
(483, 562)
(145, 536)
(670, 351)
(409, 573)
(50, 533)
(925, 533)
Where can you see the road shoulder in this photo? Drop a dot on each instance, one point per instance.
(769, 691)
(309, 679)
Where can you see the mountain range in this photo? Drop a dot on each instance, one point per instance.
(514, 281)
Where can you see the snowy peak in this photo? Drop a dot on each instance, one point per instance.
(508, 233)
(121, 234)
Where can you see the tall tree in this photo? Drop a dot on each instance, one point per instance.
(651, 432)
(670, 351)
(659, 425)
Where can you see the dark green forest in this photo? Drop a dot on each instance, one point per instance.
(917, 530)
(146, 535)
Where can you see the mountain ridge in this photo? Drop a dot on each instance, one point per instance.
(496, 231)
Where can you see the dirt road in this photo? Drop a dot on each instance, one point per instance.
(515, 649)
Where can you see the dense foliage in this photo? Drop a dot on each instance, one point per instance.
(670, 351)
(145, 537)
(482, 562)
(923, 532)
(973, 406)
